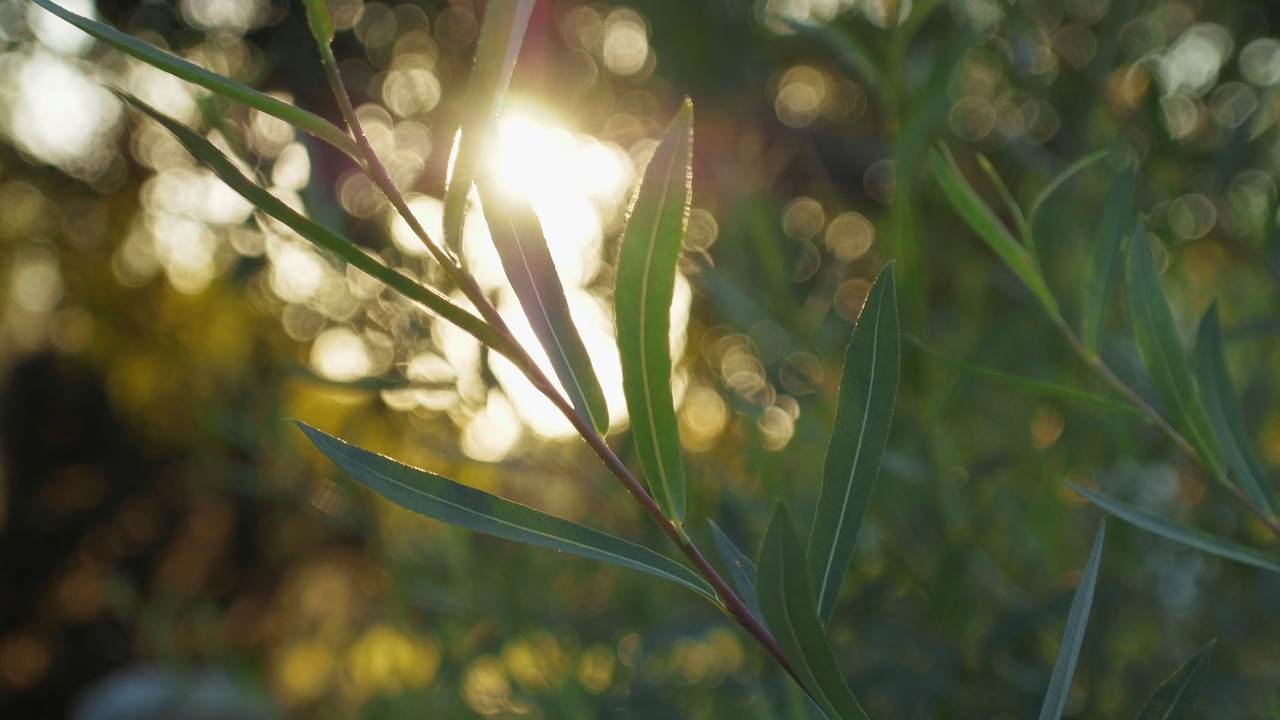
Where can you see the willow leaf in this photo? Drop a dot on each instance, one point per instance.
(984, 222)
(650, 248)
(176, 66)
(447, 501)
(1178, 532)
(522, 247)
(501, 36)
(1162, 353)
(868, 391)
(1055, 698)
(1176, 697)
(322, 237)
(1116, 219)
(741, 570)
(1069, 172)
(320, 20)
(1225, 417)
(786, 600)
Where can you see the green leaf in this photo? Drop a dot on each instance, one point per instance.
(741, 570)
(447, 501)
(1219, 398)
(176, 66)
(320, 20)
(984, 222)
(1116, 219)
(1036, 386)
(1162, 353)
(1176, 697)
(650, 248)
(501, 35)
(1055, 698)
(1178, 532)
(1010, 205)
(324, 238)
(1071, 171)
(522, 247)
(868, 391)
(786, 601)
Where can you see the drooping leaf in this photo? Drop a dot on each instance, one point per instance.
(984, 222)
(1010, 205)
(1055, 698)
(322, 237)
(501, 35)
(447, 501)
(1178, 532)
(1035, 386)
(1225, 417)
(1069, 172)
(526, 259)
(741, 570)
(868, 391)
(650, 248)
(1176, 697)
(786, 601)
(1162, 353)
(320, 20)
(1116, 220)
(176, 66)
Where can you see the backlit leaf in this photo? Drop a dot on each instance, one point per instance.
(741, 570)
(650, 248)
(1177, 696)
(447, 501)
(868, 392)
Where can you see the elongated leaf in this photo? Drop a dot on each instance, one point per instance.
(1071, 171)
(786, 600)
(1177, 696)
(1036, 386)
(447, 501)
(1219, 397)
(1178, 532)
(984, 222)
(1162, 353)
(517, 235)
(501, 36)
(324, 238)
(1010, 205)
(1116, 220)
(320, 20)
(1055, 699)
(176, 66)
(868, 391)
(741, 570)
(650, 248)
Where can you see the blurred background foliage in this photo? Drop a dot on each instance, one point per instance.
(168, 538)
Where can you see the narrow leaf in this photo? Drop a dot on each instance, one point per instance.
(522, 247)
(447, 501)
(1055, 699)
(1162, 353)
(1176, 697)
(1071, 171)
(868, 391)
(324, 238)
(786, 600)
(1010, 205)
(320, 20)
(176, 66)
(1225, 417)
(1178, 532)
(650, 248)
(741, 570)
(1036, 386)
(501, 36)
(984, 222)
(1116, 220)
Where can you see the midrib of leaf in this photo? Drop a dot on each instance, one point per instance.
(862, 434)
(644, 335)
(580, 392)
